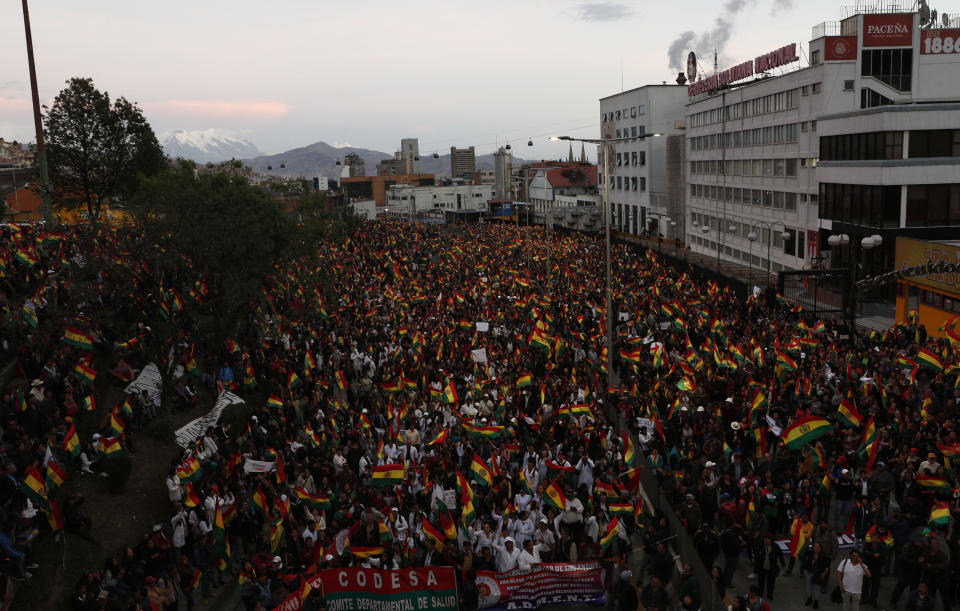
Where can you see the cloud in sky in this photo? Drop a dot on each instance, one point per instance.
(234, 109)
(602, 11)
(14, 104)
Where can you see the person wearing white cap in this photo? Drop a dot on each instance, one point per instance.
(507, 554)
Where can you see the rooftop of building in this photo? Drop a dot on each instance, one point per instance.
(641, 87)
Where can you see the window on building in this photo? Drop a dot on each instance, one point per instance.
(633, 183)
(643, 158)
(815, 88)
(848, 85)
(619, 159)
(791, 167)
(933, 205)
(891, 66)
(870, 98)
(618, 115)
(633, 158)
(815, 57)
(643, 183)
(935, 143)
(633, 131)
(805, 90)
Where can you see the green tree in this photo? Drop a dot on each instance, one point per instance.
(98, 150)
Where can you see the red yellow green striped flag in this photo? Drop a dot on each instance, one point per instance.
(608, 537)
(71, 441)
(388, 475)
(480, 471)
(33, 487)
(78, 339)
(930, 360)
(804, 431)
(554, 496)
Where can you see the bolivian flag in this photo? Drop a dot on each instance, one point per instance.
(804, 431)
(293, 381)
(33, 487)
(78, 339)
(620, 508)
(434, 533)
(260, 502)
(320, 501)
(341, 380)
(485, 432)
(847, 414)
(930, 482)
(480, 471)
(440, 438)
(524, 380)
(940, 516)
(608, 537)
(190, 498)
(190, 470)
(388, 475)
(110, 445)
(89, 403)
(554, 496)
(55, 475)
(629, 452)
(71, 441)
(799, 533)
(786, 362)
(450, 393)
(930, 360)
(274, 401)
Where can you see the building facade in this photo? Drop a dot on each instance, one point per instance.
(407, 200)
(554, 184)
(638, 169)
(410, 154)
(463, 162)
(891, 167)
(780, 157)
(355, 165)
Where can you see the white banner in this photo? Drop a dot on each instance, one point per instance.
(479, 356)
(193, 430)
(483, 327)
(258, 466)
(149, 380)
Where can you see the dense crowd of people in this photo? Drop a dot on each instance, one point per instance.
(423, 396)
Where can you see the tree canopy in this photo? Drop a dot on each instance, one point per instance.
(98, 150)
(217, 229)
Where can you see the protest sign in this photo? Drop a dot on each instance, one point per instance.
(572, 583)
(193, 430)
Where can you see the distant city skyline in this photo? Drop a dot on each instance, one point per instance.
(297, 72)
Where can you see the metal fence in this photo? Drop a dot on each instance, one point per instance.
(821, 292)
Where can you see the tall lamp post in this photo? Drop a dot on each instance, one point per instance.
(751, 237)
(608, 301)
(770, 227)
(45, 207)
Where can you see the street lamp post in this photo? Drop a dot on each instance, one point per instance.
(751, 237)
(676, 239)
(770, 227)
(45, 207)
(608, 298)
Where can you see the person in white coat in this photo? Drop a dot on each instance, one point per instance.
(507, 554)
(529, 556)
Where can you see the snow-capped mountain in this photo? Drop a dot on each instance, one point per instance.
(207, 145)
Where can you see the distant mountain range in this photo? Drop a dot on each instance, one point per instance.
(320, 159)
(205, 146)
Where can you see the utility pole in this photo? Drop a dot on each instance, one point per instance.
(46, 207)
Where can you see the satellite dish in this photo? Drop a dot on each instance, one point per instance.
(508, 147)
(530, 142)
(691, 66)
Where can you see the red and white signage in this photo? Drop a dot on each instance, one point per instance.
(813, 243)
(888, 30)
(939, 42)
(839, 48)
(768, 61)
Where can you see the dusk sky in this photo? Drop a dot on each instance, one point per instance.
(288, 73)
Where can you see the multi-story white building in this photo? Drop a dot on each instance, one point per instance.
(638, 168)
(408, 200)
(891, 167)
(755, 131)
